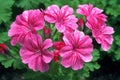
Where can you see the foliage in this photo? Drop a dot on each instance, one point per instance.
(11, 58)
(8, 12)
(27, 4)
(3, 37)
(5, 10)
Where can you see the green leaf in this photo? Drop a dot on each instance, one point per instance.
(28, 4)
(92, 66)
(84, 72)
(6, 60)
(11, 57)
(55, 34)
(17, 64)
(7, 63)
(113, 10)
(5, 10)
(31, 75)
(95, 55)
(111, 2)
(4, 37)
(117, 54)
(117, 40)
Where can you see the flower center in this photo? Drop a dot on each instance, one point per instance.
(74, 47)
(39, 52)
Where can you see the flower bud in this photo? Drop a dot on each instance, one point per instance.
(47, 31)
(56, 55)
(3, 48)
(58, 45)
(80, 22)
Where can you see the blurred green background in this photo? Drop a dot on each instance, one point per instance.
(105, 65)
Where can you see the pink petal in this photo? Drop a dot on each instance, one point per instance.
(65, 51)
(99, 40)
(71, 21)
(108, 30)
(53, 9)
(67, 10)
(42, 66)
(36, 19)
(85, 50)
(66, 60)
(85, 9)
(14, 40)
(68, 38)
(25, 55)
(21, 21)
(33, 42)
(47, 57)
(108, 39)
(66, 41)
(105, 46)
(47, 43)
(89, 25)
(60, 27)
(33, 62)
(14, 29)
(51, 13)
(49, 18)
(86, 57)
(96, 11)
(25, 15)
(77, 63)
(78, 34)
(85, 41)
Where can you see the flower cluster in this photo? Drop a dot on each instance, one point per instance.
(96, 23)
(72, 49)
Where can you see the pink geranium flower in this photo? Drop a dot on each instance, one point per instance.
(25, 25)
(63, 18)
(77, 50)
(92, 14)
(103, 36)
(96, 22)
(34, 53)
(87, 10)
(99, 18)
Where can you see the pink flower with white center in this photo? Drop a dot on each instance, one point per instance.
(77, 50)
(25, 26)
(92, 14)
(63, 18)
(103, 36)
(34, 53)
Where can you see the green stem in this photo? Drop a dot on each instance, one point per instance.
(54, 33)
(9, 54)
